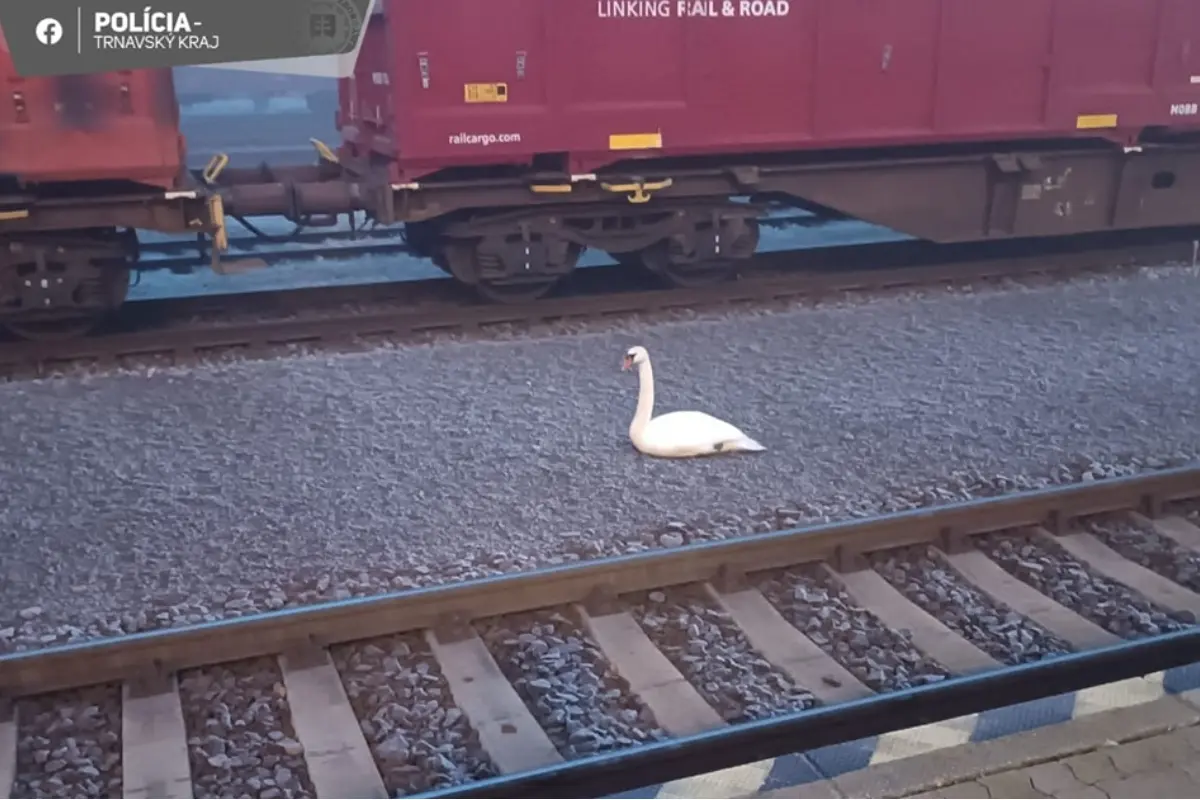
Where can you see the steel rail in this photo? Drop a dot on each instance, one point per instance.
(593, 294)
(660, 762)
(855, 264)
(448, 608)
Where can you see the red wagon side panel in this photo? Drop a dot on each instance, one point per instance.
(1104, 52)
(365, 100)
(989, 40)
(477, 82)
(1177, 70)
(884, 54)
(110, 126)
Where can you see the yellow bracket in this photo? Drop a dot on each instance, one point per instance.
(216, 165)
(5, 216)
(638, 192)
(324, 152)
(551, 188)
(216, 215)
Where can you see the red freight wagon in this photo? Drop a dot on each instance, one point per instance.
(498, 81)
(516, 133)
(113, 126)
(85, 160)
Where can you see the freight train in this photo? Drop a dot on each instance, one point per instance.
(509, 136)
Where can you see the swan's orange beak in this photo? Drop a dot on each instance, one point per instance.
(627, 363)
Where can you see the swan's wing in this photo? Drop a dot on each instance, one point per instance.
(693, 430)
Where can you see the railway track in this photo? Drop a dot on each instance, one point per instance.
(609, 675)
(258, 324)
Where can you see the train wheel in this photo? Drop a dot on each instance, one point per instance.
(707, 255)
(511, 269)
(693, 275)
(53, 330)
(514, 293)
(53, 292)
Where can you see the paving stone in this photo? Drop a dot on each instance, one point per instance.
(1147, 755)
(1157, 784)
(1149, 750)
(1011, 753)
(1054, 779)
(1094, 767)
(1015, 784)
(1191, 735)
(969, 790)
(817, 790)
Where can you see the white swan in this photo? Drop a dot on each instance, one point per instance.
(680, 434)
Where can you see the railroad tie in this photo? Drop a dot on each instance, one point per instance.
(675, 703)
(336, 752)
(8, 748)
(1108, 562)
(784, 646)
(932, 637)
(507, 730)
(1177, 529)
(154, 750)
(992, 579)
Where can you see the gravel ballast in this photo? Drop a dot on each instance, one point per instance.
(420, 739)
(1148, 547)
(1050, 569)
(927, 580)
(567, 684)
(140, 500)
(1189, 510)
(822, 610)
(240, 738)
(69, 744)
(714, 655)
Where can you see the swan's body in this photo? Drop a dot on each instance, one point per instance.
(680, 434)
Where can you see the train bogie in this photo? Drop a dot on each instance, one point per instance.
(84, 161)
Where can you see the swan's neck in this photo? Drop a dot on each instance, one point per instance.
(645, 404)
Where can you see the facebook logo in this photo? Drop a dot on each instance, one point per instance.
(49, 31)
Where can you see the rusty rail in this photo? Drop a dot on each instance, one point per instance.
(592, 294)
(448, 608)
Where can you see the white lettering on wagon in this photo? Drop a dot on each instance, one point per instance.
(484, 139)
(683, 9)
(1185, 109)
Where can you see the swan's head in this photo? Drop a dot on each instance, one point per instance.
(633, 357)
